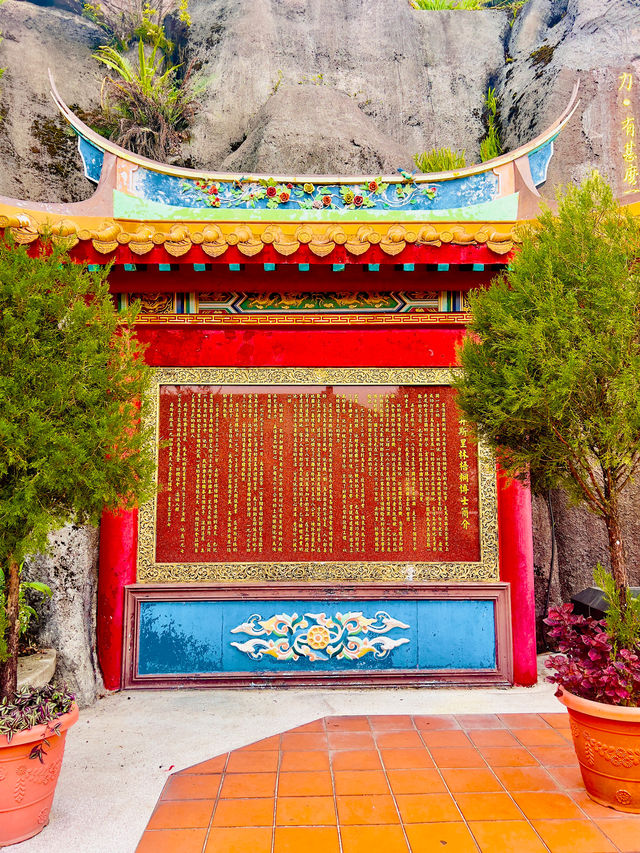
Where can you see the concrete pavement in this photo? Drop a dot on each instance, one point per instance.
(121, 751)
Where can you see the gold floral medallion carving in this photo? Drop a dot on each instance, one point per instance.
(151, 571)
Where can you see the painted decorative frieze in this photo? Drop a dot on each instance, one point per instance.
(318, 637)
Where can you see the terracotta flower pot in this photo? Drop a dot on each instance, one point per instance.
(27, 786)
(607, 742)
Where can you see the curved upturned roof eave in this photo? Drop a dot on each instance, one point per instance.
(489, 165)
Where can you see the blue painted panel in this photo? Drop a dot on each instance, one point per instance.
(183, 637)
(92, 158)
(456, 635)
(180, 637)
(539, 163)
(247, 194)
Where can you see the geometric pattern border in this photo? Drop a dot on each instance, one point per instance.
(304, 319)
(150, 571)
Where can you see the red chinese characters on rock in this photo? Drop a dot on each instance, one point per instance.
(315, 473)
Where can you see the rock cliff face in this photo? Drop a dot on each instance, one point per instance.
(39, 158)
(552, 43)
(337, 86)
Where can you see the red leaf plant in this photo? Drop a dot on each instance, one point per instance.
(589, 664)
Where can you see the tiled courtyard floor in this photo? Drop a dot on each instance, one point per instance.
(506, 783)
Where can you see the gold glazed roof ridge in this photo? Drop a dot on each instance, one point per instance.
(107, 234)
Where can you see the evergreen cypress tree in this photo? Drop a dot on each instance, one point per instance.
(552, 361)
(71, 380)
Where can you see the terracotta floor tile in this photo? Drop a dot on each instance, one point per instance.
(316, 783)
(182, 814)
(625, 833)
(391, 723)
(594, 810)
(306, 811)
(367, 810)
(558, 721)
(356, 782)
(507, 756)
(528, 754)
(506, 836)
(226, 839)
(253, 812)
(348, 724)
(404, 759)
(449, 837)
(569, 836)
(523, 721)
(192, 787)
(415, 781)
(436, 723)
(298, 741)
(213, 765)
(567, 777)
(555, 756)
(272, 742)
(313, 726)
(371, 839)
(308, 759)
(468, 781)
(492, 737)
(540, 737)
(304, 839)
(265, 761)
(498, 806)
(457, 756)
(446, 738)
(351, 740)
(541, 805)
(399, 740)
(427, 808)
(170, 840)
(248, 785)
(525, 778)
(357, 759)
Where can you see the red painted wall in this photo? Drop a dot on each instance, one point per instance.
(516, 567)
(340, 347)
(118, 544)
(193, 346)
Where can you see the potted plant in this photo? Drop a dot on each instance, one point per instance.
(551, 378)
(598, 678)
(71, 379)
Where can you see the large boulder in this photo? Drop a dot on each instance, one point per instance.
(67, 620)
(340, 86)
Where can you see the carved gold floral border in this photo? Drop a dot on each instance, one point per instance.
(150, 571)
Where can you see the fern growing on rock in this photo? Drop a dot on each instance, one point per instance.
(145, 106)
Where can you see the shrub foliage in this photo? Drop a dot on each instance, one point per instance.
(440, 160)
(71, 381)
(552, 364)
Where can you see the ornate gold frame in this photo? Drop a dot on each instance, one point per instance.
(149, 571)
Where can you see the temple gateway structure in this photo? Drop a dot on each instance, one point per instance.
(323, 514)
